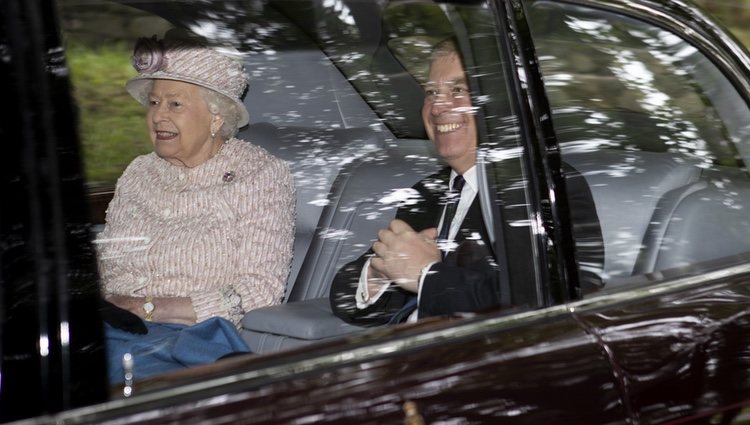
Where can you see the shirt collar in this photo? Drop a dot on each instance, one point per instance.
(470, 176)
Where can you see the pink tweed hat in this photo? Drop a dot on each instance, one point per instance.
(180, 60)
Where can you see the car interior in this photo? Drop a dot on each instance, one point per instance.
(655, 196)
(346, 118)
(340, 204)
(338, 150)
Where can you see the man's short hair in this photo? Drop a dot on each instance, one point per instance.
(444, 48)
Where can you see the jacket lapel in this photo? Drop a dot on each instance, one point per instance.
(472, 241)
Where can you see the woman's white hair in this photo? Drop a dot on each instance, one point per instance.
(218, 104)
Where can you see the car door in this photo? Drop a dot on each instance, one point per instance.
(650, 109)
(51, 343)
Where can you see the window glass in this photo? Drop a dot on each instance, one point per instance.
(99, 41)
(291, 47)
(658, 132)
(335, 91)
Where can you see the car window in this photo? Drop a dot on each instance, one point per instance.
(657, 130)
(99, 46)
(335, 90)
(111, 124)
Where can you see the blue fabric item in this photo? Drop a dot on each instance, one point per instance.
(168, 347)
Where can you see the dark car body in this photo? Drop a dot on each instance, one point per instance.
(645, 319)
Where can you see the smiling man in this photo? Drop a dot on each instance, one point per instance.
(434, 258)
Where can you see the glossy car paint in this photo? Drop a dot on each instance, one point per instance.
(614, 359)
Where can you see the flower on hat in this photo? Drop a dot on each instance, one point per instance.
(148, 55)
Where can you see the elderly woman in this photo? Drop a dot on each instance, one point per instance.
(203, 226)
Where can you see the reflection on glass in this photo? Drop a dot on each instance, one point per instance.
(335, 90)
(658, 133)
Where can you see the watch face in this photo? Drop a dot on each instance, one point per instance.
(148, 307)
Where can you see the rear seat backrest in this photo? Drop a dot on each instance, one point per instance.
(315, 157)
(363, 199)
(706, 220)
(627, 188)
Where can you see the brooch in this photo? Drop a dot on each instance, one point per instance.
(228, 176)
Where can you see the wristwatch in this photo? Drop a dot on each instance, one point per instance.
(149, 307)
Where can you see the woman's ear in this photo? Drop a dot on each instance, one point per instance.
(216, 123)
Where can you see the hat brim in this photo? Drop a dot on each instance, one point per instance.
(138, 88)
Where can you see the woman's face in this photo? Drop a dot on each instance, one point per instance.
(180, 123)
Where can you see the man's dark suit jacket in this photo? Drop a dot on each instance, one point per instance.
(466, 280)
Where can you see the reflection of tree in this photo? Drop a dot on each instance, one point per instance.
(607, 77)
(412, 30)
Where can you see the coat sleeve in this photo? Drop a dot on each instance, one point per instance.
(263, 234)
(449, 289)
(419, 215)
(344, 304)
(265, 250)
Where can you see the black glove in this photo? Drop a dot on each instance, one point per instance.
(122, 319)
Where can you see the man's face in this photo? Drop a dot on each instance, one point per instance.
(448, 115)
